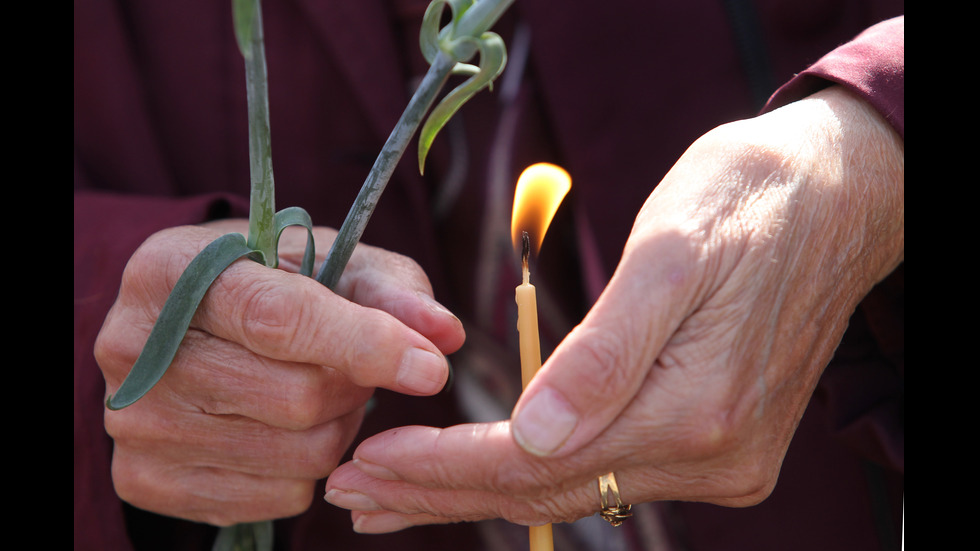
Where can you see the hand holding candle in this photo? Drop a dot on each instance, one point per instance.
(540, 190)
(673, 374)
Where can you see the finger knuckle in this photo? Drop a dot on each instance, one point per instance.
(408, 268)
(265, 321)
(302, 413)
(752, 483)
(709, 432)
(554, 507)
(371, 344)
(326, 451)
(161, 259)
(113, 353)
(551, 510)
(303, 406)
(508, 482)
(124, 425)
(297, 496)
(712, 437)
(274, 498)
(126, 479)
(744, 484)
(601, 350)
(743, 475)
(527, 481)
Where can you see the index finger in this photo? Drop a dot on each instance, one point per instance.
(291, 317)
(421, 475)
(476, 456)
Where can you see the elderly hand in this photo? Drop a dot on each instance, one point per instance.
(690, 373)
(268, 388)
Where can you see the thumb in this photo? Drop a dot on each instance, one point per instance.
(601, 365)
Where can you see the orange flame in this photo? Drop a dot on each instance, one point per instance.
(540, 189)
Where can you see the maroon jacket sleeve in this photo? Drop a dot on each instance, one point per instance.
(872, 65)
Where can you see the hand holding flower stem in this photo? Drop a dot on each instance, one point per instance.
(447, 50)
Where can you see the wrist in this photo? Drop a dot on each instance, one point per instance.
(871, 179)
(850, 164)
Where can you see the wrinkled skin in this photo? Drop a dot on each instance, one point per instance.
(690, 373)
(268, 388)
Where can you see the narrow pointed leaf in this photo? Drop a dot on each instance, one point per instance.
(175, 317)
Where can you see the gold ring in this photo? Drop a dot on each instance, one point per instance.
(614, 514)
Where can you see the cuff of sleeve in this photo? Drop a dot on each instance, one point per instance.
(117, 215)
(872, 66)
(109, 227)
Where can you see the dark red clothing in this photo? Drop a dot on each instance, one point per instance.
(615, 97)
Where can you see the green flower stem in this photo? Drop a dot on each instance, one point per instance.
(262, 204)
(474, 19)
(263, 230)
(360, 213)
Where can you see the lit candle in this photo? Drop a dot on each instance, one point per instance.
(527, 318)
(540, 189)
(527, 327)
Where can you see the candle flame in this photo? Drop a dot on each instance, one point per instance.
(540, 189)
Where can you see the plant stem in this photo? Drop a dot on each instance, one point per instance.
(262, 202)
(360, 213)
(255, 536)
(478, 17)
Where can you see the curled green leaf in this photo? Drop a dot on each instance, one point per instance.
(175, 317)
(296, 216)
(470, 18)
(432, 38)
(460, 40)
(429, 35)
(493, 58)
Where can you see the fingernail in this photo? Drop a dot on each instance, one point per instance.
(374, 470)
(379, 523)
(354, 501)
(544, 423)
(434, 305)
(422, 371)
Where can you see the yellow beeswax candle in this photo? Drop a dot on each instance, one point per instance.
(540, 189)
(530, 345)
